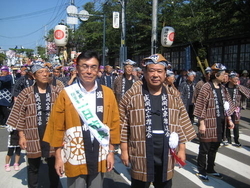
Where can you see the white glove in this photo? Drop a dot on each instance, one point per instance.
(10, 128)
(173, 140)
(226, 106)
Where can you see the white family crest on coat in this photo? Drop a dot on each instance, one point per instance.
(73, 147)
(99, 130)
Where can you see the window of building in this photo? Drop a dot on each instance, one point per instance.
(178, 60)
(230, 57)
(216, 55)
(245, 57)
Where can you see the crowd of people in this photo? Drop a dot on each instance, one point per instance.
(75, 117)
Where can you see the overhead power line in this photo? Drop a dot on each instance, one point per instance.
(30, 14)
(11, 37)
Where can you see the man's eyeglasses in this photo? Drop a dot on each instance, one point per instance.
(85, 67)
(42, 71)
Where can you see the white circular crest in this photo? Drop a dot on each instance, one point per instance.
(73, 150)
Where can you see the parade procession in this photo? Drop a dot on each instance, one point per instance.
(119, 93)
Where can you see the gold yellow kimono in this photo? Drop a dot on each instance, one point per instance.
(64, 130)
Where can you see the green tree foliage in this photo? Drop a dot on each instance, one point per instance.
(28, 52)
(139, 26)
(2, 57)
(200, 20)
(194, 21)
(113, 36)
(89, 34)
(41, 52)
(50, 36)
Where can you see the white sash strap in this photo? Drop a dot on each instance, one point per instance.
(157, 131)
(90, 119)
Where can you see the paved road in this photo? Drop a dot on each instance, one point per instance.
(232, 162)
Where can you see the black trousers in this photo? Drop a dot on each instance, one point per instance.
(33, 169)
(4, 111)
(191, 112)
(157, 181)
(235, 131)
(206, 156)
(11, 151)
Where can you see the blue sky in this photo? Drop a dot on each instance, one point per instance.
(25, 22)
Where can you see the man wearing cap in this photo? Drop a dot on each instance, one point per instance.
(84, 124)
(107, 77)
(236, 92)
(24, 81)
(134, 72)
(154, 127)
(213, 108)
(199, 85)
(244, 78)
(245, 81)
(29, 116)
(169, 66)
(68, 79)
(57, 78)
(181, 78)
(120, 72)
(5, 94)
(101, 69)
(57, 71)
(139, 73)
(186, 89)
(226, 77)
(73, 76)
(23, 71)
(170, 79)
(125, 81)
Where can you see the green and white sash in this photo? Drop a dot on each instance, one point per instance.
(99, 130)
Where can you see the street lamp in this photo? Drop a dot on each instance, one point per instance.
(84, 16)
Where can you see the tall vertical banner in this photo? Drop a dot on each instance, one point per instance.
(116, 19)
(167, 36)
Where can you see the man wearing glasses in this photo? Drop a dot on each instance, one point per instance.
(84, 123)
(29, 116)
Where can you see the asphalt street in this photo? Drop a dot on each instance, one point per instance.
(232, 162)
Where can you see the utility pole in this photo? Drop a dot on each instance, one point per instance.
(46, 49)
(123, 48)
(104, 40)
(72, 2)
(154, 27)
(36, 48)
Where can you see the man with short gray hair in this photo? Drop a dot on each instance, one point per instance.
(154, 125)
(29, 117)
(125, 81)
